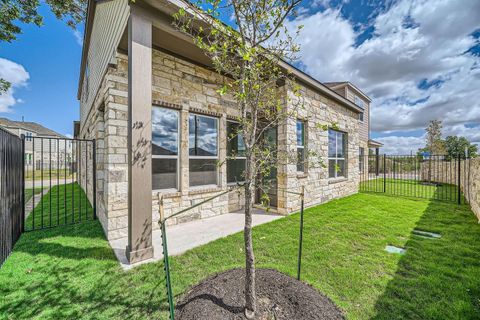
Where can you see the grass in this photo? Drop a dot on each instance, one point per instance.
(71, 272)
(29, 193)
(61, 205)
(411, 188)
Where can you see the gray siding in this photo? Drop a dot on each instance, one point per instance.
(109, 23)
(364, 126)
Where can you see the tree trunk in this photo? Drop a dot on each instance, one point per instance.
(250, 295)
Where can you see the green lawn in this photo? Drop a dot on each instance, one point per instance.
(62, 204)
(71, 272)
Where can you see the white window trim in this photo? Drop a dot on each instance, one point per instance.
(302, 146)
(339, 158)
(193, 157)
(236, 157)
(177, 157)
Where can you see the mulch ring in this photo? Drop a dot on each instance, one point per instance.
(279, 296)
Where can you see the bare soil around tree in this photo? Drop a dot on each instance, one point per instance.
(279, 297)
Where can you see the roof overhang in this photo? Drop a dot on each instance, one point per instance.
(353, 87)
(168, 7)
(86, 42)
(374, 144)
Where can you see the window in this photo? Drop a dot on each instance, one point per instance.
(165, 140)
(359, 102)
(361, 160)
(236, 154)
(301, 145)
(337, 150)
(203, 149)
(360, 116)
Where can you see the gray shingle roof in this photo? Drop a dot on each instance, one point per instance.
(30, 126)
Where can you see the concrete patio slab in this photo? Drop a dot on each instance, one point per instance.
(186, 236)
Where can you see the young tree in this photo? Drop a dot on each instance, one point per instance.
(14, 12)
(250, 54)
(434, 144)
(456, 147)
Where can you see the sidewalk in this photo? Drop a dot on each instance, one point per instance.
(186, 236)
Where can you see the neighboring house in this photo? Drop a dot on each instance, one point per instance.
(38, 143)
(149, 97)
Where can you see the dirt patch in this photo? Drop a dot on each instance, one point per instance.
(221, 297)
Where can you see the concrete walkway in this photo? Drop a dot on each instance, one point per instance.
(186, 236)
(37, 197)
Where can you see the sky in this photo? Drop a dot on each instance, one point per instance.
(418, 60)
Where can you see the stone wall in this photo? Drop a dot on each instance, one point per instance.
(447, 172)
(188, 87)
(319, 112)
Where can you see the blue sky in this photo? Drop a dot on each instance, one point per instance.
(51, 55)
(418, 60)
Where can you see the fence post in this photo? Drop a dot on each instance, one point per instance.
(22, 223)
(94, 177)
(377, 162)
(300, 244)
(166, 262)
(384, 173)
(459, 181)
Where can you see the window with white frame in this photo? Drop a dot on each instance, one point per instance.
(300, 146)
(236, 160)
(165, 142)
(337, 153)
(202, 149)
(360, 116)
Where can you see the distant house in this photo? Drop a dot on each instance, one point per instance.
(148, 96)
(38, 142)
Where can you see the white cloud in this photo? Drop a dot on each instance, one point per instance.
(398, 145)
(78, 37)
(412, 41)
(17, 76)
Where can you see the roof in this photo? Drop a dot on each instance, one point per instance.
(299, 74)
(373, 143)
(29, 126)
(335, 85)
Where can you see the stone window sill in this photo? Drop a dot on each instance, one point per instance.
(203, 189)
(302, 175)
(167, 193)
(337, 180)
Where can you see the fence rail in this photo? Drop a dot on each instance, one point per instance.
(60, 181)
(11, 192)
(431, 177)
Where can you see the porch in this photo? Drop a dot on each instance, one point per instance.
(185, 236)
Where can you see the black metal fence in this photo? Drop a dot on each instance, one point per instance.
(431, 177)
(11, 192)
(60, 181)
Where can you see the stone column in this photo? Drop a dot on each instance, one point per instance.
(222, 151)
(184, 164)
(139, 138)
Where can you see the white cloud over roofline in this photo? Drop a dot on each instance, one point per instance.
(17, 76)
(413, 42)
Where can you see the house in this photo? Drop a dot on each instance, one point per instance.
(149, 97)
(38, 142)
(351, 92)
